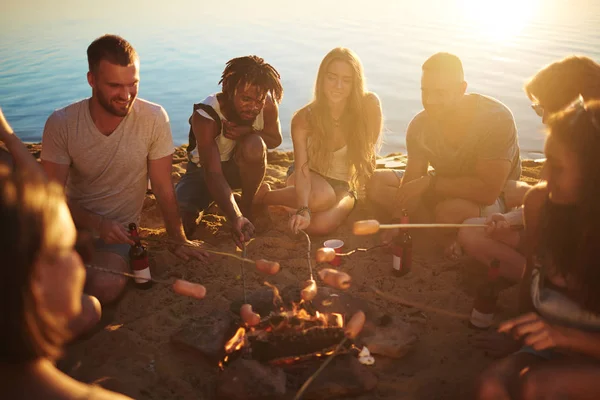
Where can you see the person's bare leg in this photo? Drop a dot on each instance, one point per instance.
(251, 157)
(484, 249)
(381, 191)
(322, 196)
(514, 193)
(325, 222)
(559, 380)
(501, 380)
(104, 286)
(453, 211)
(91, 312)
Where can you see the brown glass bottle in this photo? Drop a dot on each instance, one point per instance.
(485, 303)
(138, 258)
(402, 249)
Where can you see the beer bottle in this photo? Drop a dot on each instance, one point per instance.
(402, 249)
(138, 257)
(484, 305)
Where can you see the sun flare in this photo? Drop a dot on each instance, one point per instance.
(499, 20)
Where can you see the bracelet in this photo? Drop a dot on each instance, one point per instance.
(302, 209)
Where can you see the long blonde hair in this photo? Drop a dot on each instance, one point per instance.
(360, 136)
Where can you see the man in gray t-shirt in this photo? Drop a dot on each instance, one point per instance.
(470, 140)
(104, 149)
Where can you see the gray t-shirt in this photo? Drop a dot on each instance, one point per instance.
(108, 174)
(491, 135)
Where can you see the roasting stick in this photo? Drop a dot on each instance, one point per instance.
(309, 288)
(308, 254)
(326, 254)
(180, 286)
(266, 266)
(422, 307)
(370, 226)
(243, 271)
(351, 330)
(221, 253)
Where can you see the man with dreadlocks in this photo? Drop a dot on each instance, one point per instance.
(229, 137)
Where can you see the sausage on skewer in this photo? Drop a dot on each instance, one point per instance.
(309, 291)
(249, 317)
(267, 267)
(355, 325)
(189, 289)
(334, 278)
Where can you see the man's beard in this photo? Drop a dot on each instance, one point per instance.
(106, 104)
(235, 117)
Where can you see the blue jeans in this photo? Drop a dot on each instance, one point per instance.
(121, 249)
(192, 191)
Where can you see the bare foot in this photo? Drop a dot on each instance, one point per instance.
(495, 344)
(261, 193)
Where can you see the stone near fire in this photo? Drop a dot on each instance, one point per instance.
(392, 340)
(344, 377)
(206, 334)
(249, 380)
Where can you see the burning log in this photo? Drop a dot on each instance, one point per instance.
(289, 347)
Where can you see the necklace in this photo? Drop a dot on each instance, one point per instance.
(336, 121)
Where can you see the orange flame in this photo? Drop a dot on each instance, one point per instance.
(236, 342)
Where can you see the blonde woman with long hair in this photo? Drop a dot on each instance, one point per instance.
(335, 138)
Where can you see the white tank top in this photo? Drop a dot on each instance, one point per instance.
(226, 146)
(339, 167)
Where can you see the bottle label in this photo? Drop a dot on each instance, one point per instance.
(141, 269)
(481, 320)
(397, 262)
(142, 275)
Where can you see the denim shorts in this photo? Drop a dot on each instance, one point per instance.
(336, 184)
(192, 190)
(121, 249)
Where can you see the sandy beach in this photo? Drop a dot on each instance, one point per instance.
(133, 353)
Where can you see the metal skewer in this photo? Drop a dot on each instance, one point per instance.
(221, 253)
(308, 254)
(243, 271)
(127, 274)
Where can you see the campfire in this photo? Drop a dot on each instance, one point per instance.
(283, 337)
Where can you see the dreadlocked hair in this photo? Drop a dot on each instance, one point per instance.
(251, 70)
